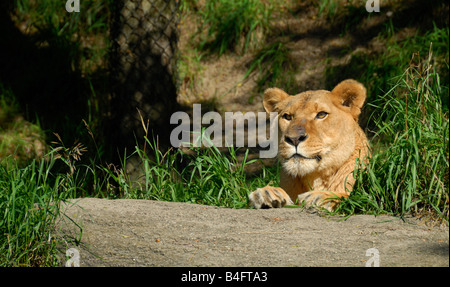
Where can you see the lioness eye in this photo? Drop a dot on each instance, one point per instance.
(321, 115)
(287, 117)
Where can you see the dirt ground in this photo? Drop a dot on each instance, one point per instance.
(150, 233)
(314, 43)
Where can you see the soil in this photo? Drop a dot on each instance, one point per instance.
(151, 233)
(314, 42)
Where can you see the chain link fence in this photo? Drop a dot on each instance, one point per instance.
(144, 39)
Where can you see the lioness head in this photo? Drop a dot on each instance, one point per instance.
(316, 128)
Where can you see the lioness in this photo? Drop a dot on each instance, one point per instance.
(319, 142)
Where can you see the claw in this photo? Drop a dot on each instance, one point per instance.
(269, 197)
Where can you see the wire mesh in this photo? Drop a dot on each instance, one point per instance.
(144, 39)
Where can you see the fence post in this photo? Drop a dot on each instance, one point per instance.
(144, 40)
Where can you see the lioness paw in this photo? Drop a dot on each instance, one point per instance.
(268, 197)
(319, 198)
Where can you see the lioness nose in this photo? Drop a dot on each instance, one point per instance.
(295, 140)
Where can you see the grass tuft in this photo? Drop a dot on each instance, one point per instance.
(29, 201)
(274, 66)
(408, 173)
(233, 25)
(196, 175)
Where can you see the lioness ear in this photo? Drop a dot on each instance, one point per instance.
(350, 95)
(272, 97)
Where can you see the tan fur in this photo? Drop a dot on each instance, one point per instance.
(319, 142)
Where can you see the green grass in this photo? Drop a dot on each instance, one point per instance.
(29, 204)
(67, 61)
(329, 8)
(377, 70)
(9, 107)
(408, 173)
(18, 137)
(233, 25)
(346, 14)
(30, 196)
(203, 176)
(274, 67)
(49, 20)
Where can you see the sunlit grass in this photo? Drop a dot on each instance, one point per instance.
(408, 172)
